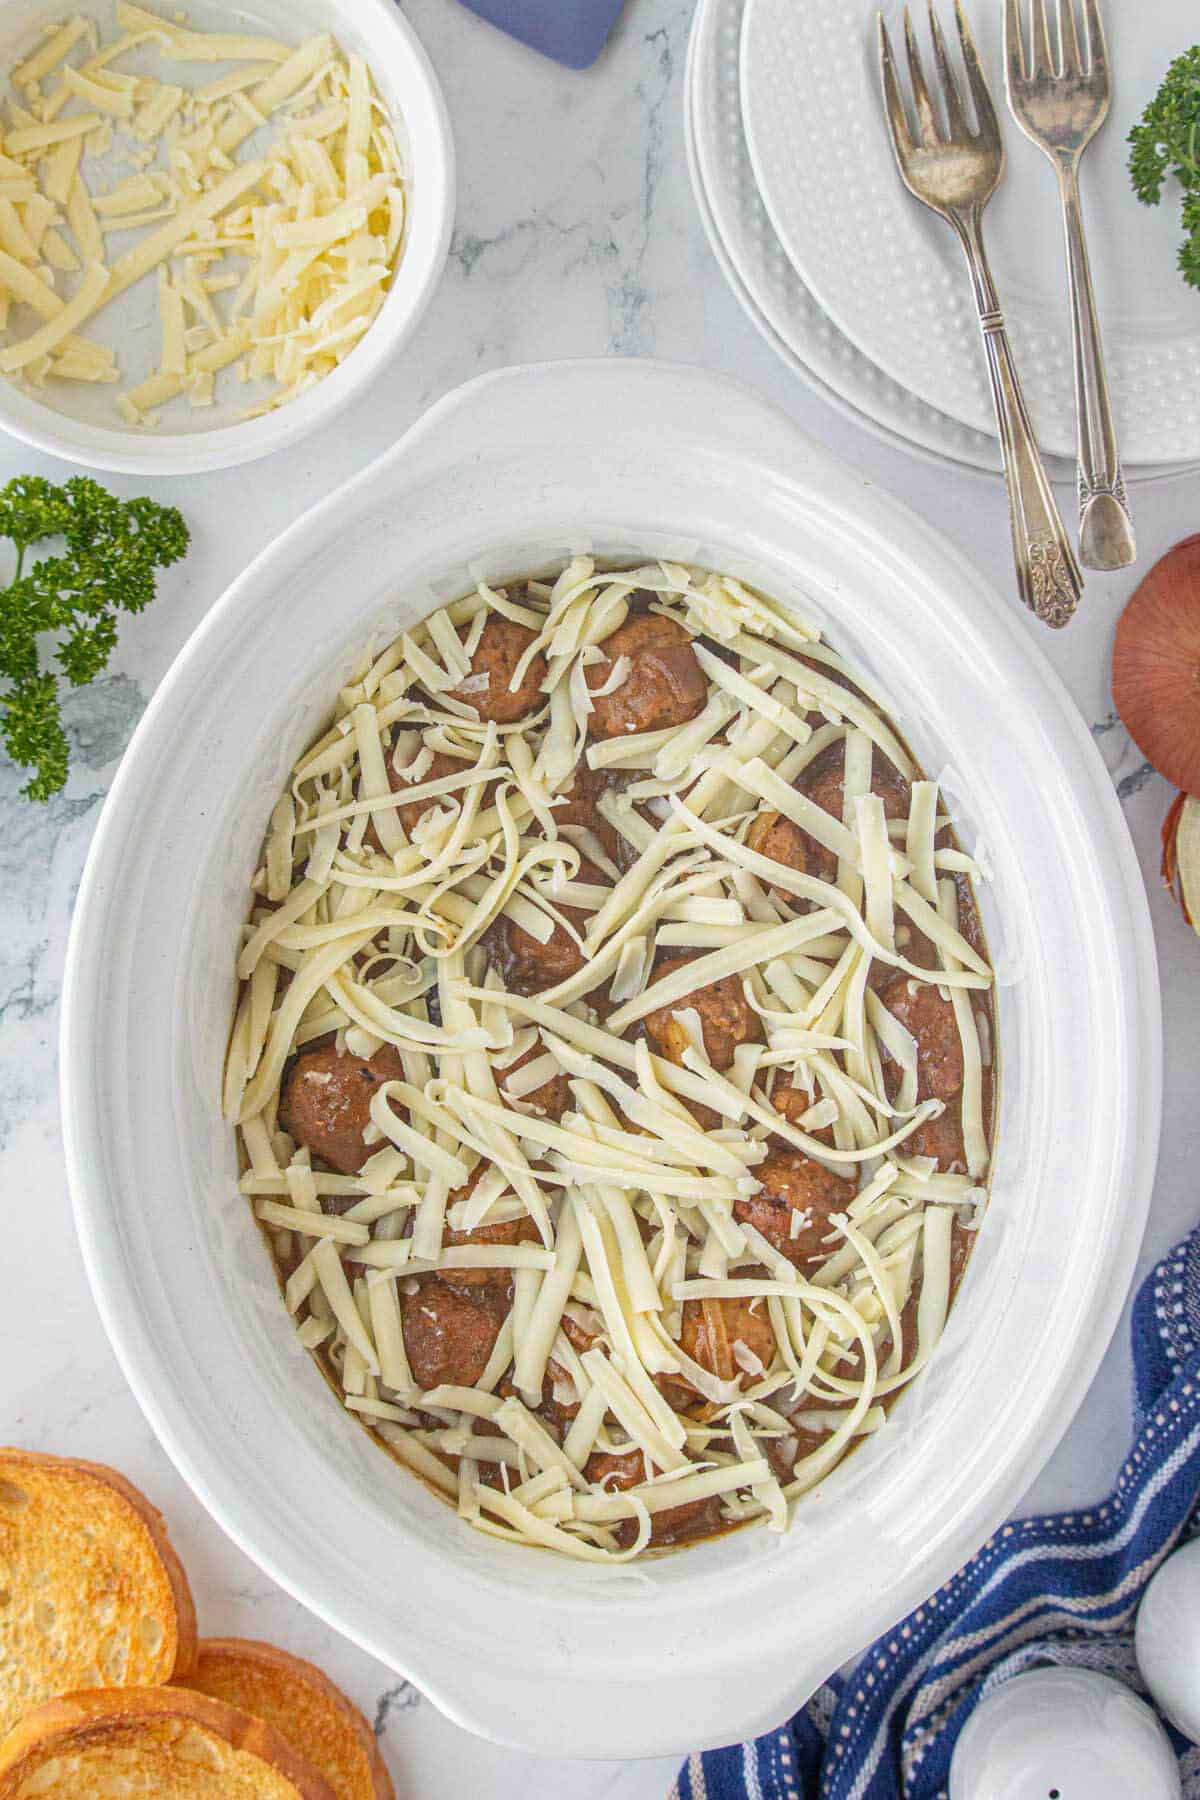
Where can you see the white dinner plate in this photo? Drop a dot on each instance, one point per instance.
(763, 280)
(774, 298)
(891, 275)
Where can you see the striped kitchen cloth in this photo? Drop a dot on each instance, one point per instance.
(1058, 1589)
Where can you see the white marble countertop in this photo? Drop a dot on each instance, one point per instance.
(576, 235)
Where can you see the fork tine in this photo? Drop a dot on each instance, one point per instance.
(1043, 58)
(1014, 49)
(985, 112)
(894, 104)
(1097, 48)
(927, 125)
(955, 116)
(1068, 39)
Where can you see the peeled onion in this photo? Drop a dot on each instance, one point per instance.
(1156, 666)
(1181, 855)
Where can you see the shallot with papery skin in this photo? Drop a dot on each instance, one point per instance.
(1156, 666)
(1156, 687)
(1181, 855)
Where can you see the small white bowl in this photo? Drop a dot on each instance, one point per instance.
(80, 422)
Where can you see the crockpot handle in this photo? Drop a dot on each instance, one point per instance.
(671, 1716)
(572, 399)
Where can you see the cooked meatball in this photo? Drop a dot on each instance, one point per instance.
(501, 646)
(616, 1472)
(326, 1103)
(579, 805)
(623, 850)
(929, 1019)
(487, 1471)
(695, 1518)
(781, 839)
(784, 1454)
(508, 1231)
(556, 1408)
(711, 1328)
(726, 1017)
(893, 790)
(551, 1099)
(790, 1101)
(795, 1184)
(582, 1339)
(941, 1138)
(675, 1524)
(823, 785)
(449, 1333)
(916, 947)
(578, 1335)
(665, 685)
(576, 803)
(706, 1117)
(415, 810)
(527, 967)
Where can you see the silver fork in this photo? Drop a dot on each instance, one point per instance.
(1060, 107)
(954, 173)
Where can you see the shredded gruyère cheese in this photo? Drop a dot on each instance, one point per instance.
(269, 203)
(634, 1338)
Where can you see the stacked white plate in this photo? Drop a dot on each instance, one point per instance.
(863, 293)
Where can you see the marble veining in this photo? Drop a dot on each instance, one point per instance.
(576, 235)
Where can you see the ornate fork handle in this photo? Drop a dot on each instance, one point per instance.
(1106, 539)
(1048, 577)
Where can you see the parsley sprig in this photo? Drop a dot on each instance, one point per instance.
(111, 550)
(1166, 141)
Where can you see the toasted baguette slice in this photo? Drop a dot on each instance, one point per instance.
(97, 1595)
(303, 1704)
(151, 1744)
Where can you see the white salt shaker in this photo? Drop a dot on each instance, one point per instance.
(1063, 1734)
(1168, 1639)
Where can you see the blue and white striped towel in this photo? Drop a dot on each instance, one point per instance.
(1057, 1589)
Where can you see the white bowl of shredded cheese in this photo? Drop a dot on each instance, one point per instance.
(215, 226)
(722, 1639)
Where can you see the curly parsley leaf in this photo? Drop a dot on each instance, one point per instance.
(1166, 141)
(111, 551)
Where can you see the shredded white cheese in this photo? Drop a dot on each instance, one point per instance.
(299, 238)
(633, 1188)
